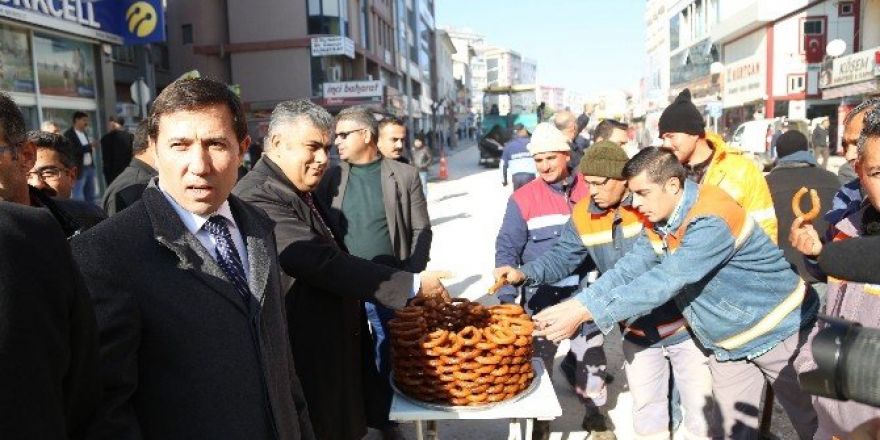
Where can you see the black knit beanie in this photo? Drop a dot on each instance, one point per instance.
(604, 159)
(682, 116)
(790, 142)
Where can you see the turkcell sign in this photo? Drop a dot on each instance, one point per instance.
(111, 21)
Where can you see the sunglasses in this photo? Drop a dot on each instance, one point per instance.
(344, 134)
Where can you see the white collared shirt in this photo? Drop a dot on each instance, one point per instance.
(194, 223)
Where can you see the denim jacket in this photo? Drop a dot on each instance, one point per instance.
(605, 236)
(732, 284)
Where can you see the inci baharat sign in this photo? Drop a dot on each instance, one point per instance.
(352, 92)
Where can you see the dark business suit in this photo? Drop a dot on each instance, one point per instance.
(331, 344)
(49, 385)
(128, 186)
(406, 210)
(79, 149)
(182, 355)
(115, 153)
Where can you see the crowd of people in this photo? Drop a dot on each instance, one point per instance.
(702, 261)
(203, 302)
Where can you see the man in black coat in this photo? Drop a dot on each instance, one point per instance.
(116, 149)
(49, 385)
(798, 168)
(130, 184)
(327, 286)
(84, 149)
(187, 292)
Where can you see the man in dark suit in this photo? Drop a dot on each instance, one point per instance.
(17, 159)
(328, 332)
(187, 292)
(130, 184)
(379, 205)
(48, 341)
(83, 148)
(116, 149)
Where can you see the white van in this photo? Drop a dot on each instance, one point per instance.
(756, 137)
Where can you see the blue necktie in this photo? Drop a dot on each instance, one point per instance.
(227, 256)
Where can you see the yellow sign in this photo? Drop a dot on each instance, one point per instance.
(142, 19)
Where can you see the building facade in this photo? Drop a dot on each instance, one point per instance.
(335, 52)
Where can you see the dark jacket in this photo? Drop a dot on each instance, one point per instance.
(182, 356)
(128, 186)
(74, 216)
(48, 340)
(406, 210)
(331, 343)
(793, 172)
(79, 149)
(115, 153)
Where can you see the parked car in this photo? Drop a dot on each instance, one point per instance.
(755, 138)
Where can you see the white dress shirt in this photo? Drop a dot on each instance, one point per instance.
(194, 223)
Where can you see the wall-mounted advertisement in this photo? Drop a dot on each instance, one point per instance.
(65, 67)
(16, 68)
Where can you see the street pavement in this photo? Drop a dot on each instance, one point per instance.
(466, 212)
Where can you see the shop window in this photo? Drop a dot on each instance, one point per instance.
(16, 66)
(186, 32)
(845, 9)
(65, 67)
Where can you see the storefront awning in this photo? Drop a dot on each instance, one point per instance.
(861, 88)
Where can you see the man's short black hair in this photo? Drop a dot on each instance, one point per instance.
(12, 128)
(190, 94)
(659, 164)
(391, 120)
(52, 141)
(141, 139)
(77, 115)
(605, 128)
(118, 119)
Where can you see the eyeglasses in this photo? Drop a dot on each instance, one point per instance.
(344, 134)
(47, 173)
(599, 184)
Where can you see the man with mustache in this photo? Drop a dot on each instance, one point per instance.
(326, 285)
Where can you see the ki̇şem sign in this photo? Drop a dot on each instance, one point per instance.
(114, 21)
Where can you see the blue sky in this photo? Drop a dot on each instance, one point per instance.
(583, 45)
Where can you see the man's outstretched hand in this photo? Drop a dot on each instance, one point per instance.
(561, 321)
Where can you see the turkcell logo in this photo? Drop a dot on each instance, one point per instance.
(131, 21)
(136, 21)
(142, 18)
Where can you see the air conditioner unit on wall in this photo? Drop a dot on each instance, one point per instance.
(334, 74)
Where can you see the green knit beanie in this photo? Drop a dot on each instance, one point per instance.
(604, 159)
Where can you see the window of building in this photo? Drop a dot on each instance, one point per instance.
(797, 83)
(16, 69)
(674, 29)
(364, 19)
(124, 54)
(65, 67)
(814, 27)
(327, 17)
(186, 32)
(845, 9)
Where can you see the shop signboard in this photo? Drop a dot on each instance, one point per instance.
(849, 69)
(352, 92)
(743, 81)
(111, 21)
(330, 46)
